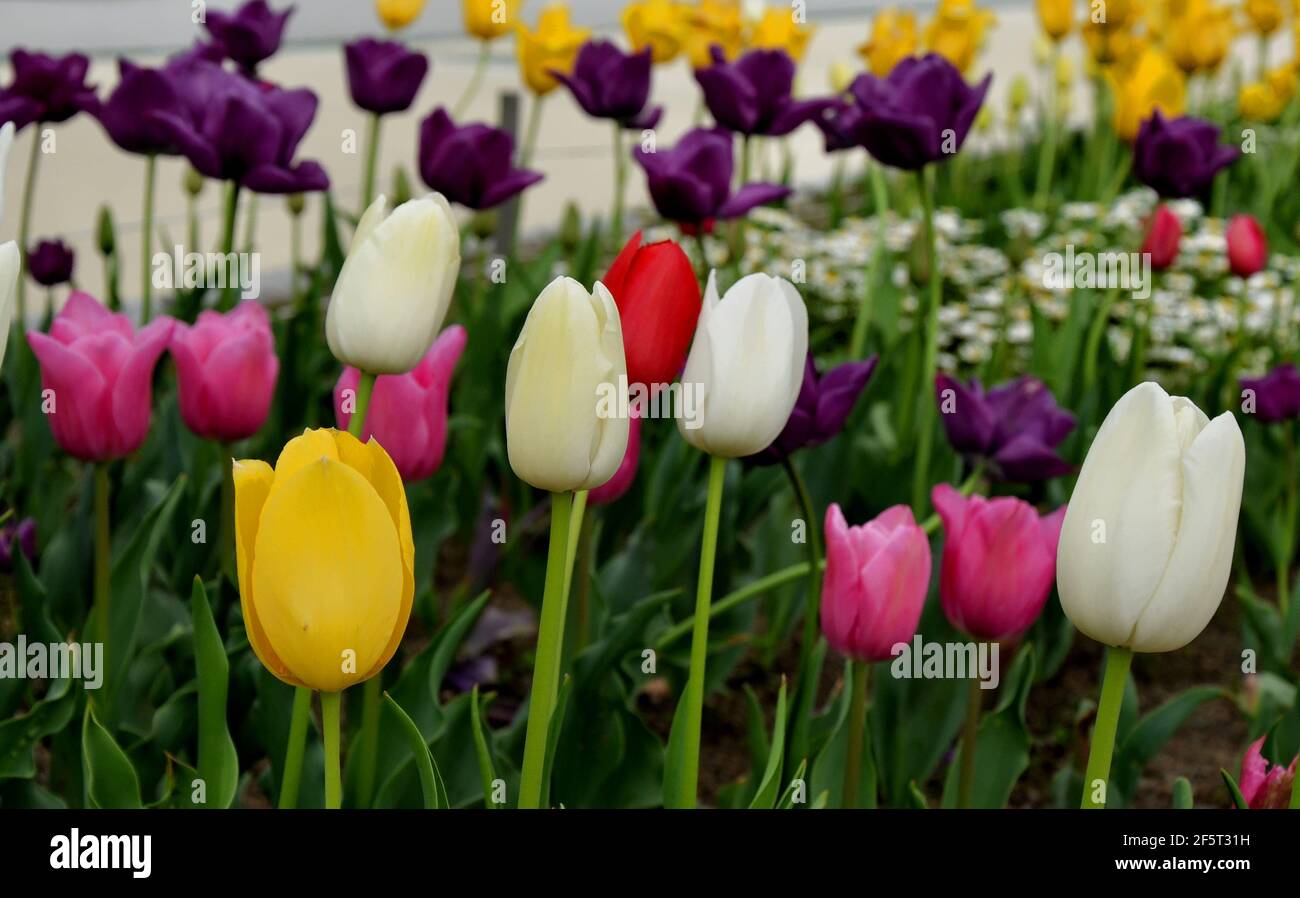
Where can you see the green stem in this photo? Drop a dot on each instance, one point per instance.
(146, 241)
(365, 387)
(694, 698)
(226, 540)
(368, 743)
(970, 734)
(1096, 330)
(738, 228)
(857, 733)
(1047, 156)
(103, 552)
(295, 255)
(372, 163)
(703, 248)
(739, 597)
(866, 309)
(925, 391)
(582, 611)
(228, 238)
(546, 667)
(329, 713)
(1284, 557)
(475, 81)
(620, 182)
(1295, 793)
(575, 528)
(808, 683)
(292, 775)
(531, 132)
(1113, 680)
(25, 220)
(250, 223)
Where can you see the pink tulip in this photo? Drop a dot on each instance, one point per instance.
(1247, 246)
(408, 412)
(1164, 233)
(1265, 785)
(226, 371)
(999, 561)
(100, 374)
(614, 488)
(877, 577)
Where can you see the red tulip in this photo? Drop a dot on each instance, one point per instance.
(1163, 236)
(1247, 246)
(658, 302)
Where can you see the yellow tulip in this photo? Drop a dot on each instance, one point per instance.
(710, 23)
(1107, 46)
(658, 24)
(553, 46)
(1265, 15)
(487, 20)
(1056, 17)
(1064, 73)
(325, 558)
(893, 38)
(957, 31)
(1282, 79)
(779, 30)
(397, 14)
(1259, 102)
(1199, 38)
(1150, 82)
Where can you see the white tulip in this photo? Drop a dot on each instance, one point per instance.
(1147, 541)
(564, 367)
(393, 291)
(11, 265)
(6, 141)
(748, 360)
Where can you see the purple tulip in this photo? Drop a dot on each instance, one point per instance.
(470, 164)
(128, 113)
(49, 262)
(838, 123)
(824, 404)
(754, 94)
(919, 113)
(1179, 157)
(21, 536)
(250, 35)
(384, 76)
(691, 183)
(1016, 427)
(1277, 394)
(46, 89)
(608, 83)
(238, 130)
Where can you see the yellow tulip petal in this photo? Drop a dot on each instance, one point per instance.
(301, 451)
(328, 581)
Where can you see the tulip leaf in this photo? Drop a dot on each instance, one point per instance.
(111, 781)
(1234, 791)
(435, 792)
(553, 729)
(916, 797)
(19, 735)
(788, 797)
(449, 641)
(675, 754)
(769, 786)
(487, 772)
(828, 769)
(1183, 794)
(1150, 734)
(218, 760)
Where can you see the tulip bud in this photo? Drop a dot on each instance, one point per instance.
(1146, 546)
(325, 586)
(1163, 236)
(192, 182)
(564, 370)
(401, 186)
(877, 578)
(1018, 95)
(1266, 785)
(1247, 246)
(295, 203)
(105, 232)
(571, 227)
(748, 360)
(393, 291)
(226, 370)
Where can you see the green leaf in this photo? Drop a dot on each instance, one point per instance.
(787, 797)
(916, 797)
(1183, 793)
(674, 755)
(19, 735)
(218, 760)
(111, 781)
(770, 784)
(435, 792)
(484, 754)
(553, 737)
(448, 642)
(1151, 732)
(1234, 791)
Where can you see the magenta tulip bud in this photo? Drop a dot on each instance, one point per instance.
(614, 488)
(226, 370)
(407, 414)
(97, 378)
(1247, 246)
(999, 561)
(877, 577)
(1265, 785)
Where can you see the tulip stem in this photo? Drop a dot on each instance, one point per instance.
(146, 241)
(866, 309)
(1047, 154)
(860, 671)
(1096, 330)
(103, 554)
(620, 182)
(930, 349)
(226, 540)
(357, 423)
(292, 774)
(25, 220)
(531, 131)
(372, 163)
(1295, 793)
(475, 80)
(808, 681)
(1118, 661)
(969, 736)
(329, 715)
(368, 739)
(739, 597)
(550, 647)
(228, 240)
(693, 712)
(576, 514)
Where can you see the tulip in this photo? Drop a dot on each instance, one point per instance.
(1264, 15)
(1247, 246)
(711, 23)
(397, 14)
(691, 183)
(128, 113)
(1015, 428)
(1148, 85)
(50, 263)
(46, 89)
(226, 371)
(250, 35)
(754, 95)
(1164, 234)
(748, 359)
(395, 285)
(821, 409)
(658, 302)
(999, 560)
(1056, 17)
(470, 164)
(17, 537)
(568, 357)
(1200, 38)
(100, 372)
(657, 25)
(893, 39)
(608, 83)
(1266, 785)
(488, 20)
(408, 412)
(617, 486)
(384, 76)
(325, 587)
(779, 30)
(1275, 396)
(11, 267)
(1259, 102)
(957, 32)
(1179, 157)
(553, 47)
